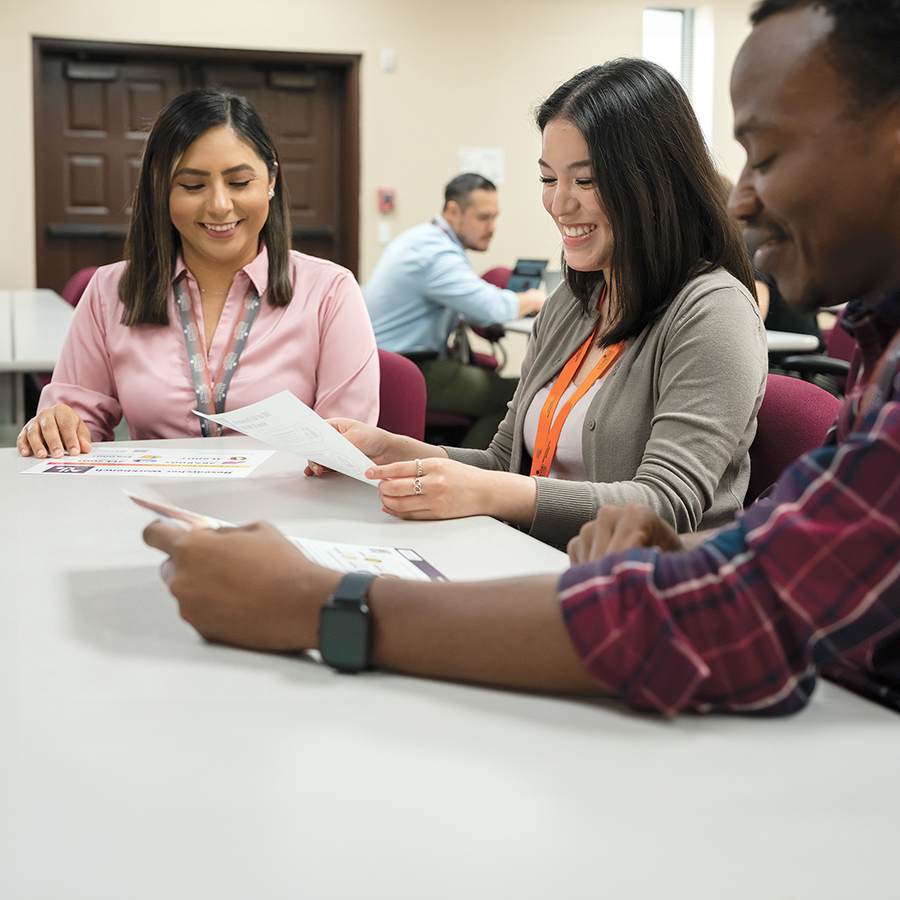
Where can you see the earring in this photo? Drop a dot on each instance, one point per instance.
(271, 193)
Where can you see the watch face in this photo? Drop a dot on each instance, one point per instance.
(343, 637)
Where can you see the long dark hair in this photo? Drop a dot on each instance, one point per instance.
(657, 185)
(152, 245)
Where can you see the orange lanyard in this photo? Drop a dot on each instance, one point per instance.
(549, 430)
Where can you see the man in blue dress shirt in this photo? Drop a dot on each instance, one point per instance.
(422, 287)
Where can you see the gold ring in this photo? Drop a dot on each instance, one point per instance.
(417, 486)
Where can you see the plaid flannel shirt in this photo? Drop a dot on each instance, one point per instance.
(806, 580)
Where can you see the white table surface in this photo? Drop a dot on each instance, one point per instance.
(138, 762)
(791, 342)
(33, 325)
(777, 341)
(520, 326)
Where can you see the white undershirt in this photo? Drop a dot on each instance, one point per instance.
(568, 463)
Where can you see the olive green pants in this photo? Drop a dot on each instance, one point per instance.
(472, 391)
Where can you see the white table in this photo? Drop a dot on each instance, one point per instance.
(791, 342)
(520, 326)
(33, 325)
(137, 762)
(777, 341)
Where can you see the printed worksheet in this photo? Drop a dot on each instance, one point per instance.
(114, 460)
(399, 562)
(289, 424)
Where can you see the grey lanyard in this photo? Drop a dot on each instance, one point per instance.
(211, 395)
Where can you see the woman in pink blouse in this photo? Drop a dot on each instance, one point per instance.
(211, 310)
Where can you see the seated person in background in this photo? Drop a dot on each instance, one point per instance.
(645, 370)
(423, 285)
(806, 580)
(210, 303)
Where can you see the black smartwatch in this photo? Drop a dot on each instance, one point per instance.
(345, 625)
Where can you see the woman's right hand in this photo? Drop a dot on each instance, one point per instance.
(382, 447)
(376, 443)
(54, 431)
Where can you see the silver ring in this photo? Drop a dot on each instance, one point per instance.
(417, 486)
(418, 468)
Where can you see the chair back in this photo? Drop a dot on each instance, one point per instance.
(496, 359)
(498, 276)
(76, 284)
(793, 419)
(402, 396)
(839, 344)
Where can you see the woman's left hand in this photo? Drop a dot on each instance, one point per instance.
(433, 489)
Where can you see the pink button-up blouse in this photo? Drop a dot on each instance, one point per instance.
(320, 347)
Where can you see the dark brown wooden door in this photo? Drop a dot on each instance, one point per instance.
(92, 129)
(301, 109)
(92, 109)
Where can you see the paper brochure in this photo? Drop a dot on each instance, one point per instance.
(148, 460)
(399, 562)
(289, 424)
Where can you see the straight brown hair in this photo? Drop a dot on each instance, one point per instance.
(153, 242)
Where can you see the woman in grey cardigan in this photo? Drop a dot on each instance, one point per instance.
(647, 366)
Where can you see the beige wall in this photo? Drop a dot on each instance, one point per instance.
(468, 74)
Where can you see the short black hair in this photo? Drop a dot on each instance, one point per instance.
(656, 181)
(460, 188)
(864, 43)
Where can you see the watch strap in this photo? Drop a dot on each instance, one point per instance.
(353, 587)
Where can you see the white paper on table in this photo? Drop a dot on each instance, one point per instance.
(286, 422)
(149, 460)
(399, 562)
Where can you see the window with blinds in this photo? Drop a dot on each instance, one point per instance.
(668, 39)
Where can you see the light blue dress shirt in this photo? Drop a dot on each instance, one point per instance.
(423, 285)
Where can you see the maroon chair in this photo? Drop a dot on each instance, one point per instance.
(402, 396)
(794, 418)
(76, 284)
(839, 345)
(71, 293)
(498, 276)
(835, 363)
(459, 422)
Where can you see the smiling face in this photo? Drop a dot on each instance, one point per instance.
(820, 193)
(570, 197)
(219, 200)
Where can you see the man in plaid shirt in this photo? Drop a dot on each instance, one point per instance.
(807, 580)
